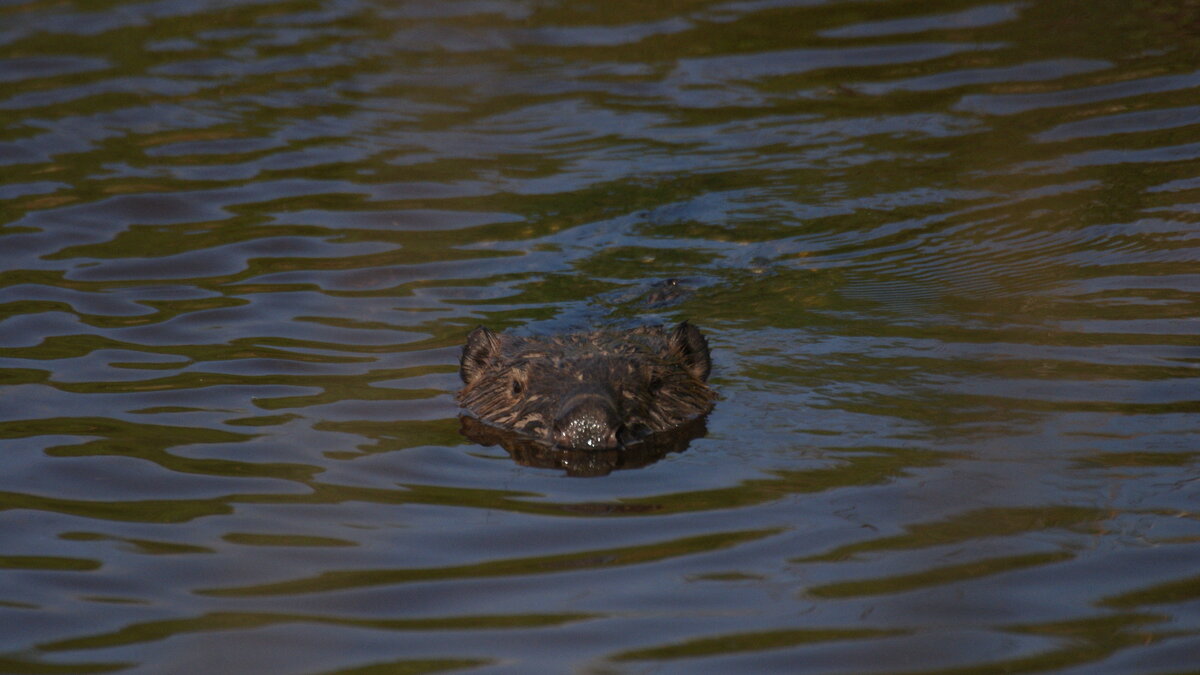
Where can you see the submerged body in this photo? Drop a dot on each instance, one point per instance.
(597, 390)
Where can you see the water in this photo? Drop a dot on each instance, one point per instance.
(946, 255)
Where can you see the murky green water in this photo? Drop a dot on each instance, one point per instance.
(946, 253)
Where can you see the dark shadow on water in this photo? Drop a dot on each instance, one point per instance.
(583, 463)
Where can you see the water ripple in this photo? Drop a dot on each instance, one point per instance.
(945, 258)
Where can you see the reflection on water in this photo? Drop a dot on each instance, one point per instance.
(583, 463)
(945, 254)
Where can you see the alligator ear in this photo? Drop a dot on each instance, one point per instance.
(482, 346)
(692, 348)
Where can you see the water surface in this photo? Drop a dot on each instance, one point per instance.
(946, 255)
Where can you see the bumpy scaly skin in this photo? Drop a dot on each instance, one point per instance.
(596, 390)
